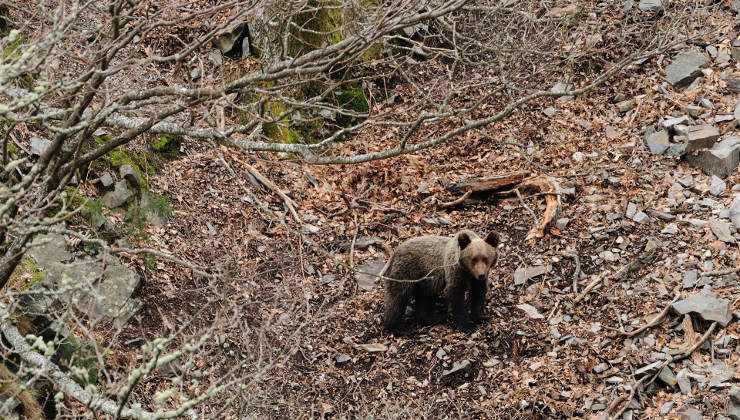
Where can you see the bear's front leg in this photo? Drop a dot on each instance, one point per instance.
(477, 300)
(459, 310)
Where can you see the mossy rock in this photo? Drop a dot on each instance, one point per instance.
(167, 146)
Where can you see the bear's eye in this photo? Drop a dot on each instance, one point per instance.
(484, 261)
(475, 260)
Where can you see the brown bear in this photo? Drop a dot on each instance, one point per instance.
(428, 267)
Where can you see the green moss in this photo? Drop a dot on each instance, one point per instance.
(119, 157)
(84, 356)
(13, 49)
(318, 26)
(167, 146)
(353, 99)
(279, 131)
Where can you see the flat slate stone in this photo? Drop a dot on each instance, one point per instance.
(365, 278)
(721, 160)
(39, 146)
(701, 137)
(707, 306)
(650, 6)
(657, 142)
(685, 68)
(49, 249)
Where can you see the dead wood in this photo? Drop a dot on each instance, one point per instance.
(457, 201)
(289, 203)
(489, 183)
(512, 184)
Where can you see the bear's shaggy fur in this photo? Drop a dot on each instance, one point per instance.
(428, 267)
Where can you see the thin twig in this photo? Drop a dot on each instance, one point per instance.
(521, 200)
(665, 363)
(352, 245)
(447, 204)
(655, 321)
(269, 184)
(577, 271)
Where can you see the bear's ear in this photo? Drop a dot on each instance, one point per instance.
(492, 239)
(463, 240)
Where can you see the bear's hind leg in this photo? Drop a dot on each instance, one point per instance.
(426, 312)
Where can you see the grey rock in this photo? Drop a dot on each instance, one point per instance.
(676, 192)
(106, 180)
(650, 6)
(706, 103)
(216, 58)
(195, 73)
(211, 230)
(707, 306)
(676, 149)
(734, 394)
(625, 106)
(660, 215)
(361, 242)
(689, 413)
(530, 310)
(641, 217)
(736, 112)
(550, 111)
(561, 87)
(521, 275)
(364, 276)
(614, 380)
(719, 380)
(717, 186)
(692, 110)
(733, 411)
(153, 214)
(684, 383)
(667, 376)
(689, 279)
(128, 173)
(631, 210)
(458, 367)
(733, 81)
(342, 358)
(651, 368)
(734, 212)
(670, 122)
(441, 353)
(118, 196)
(229, 40)
(711, 50)
(686, 181)
(721, 230)
(562, 223)
(49, 249)
(657, 142)
(701, 137)
(38, 146)
(720, 160)
(723, 117)
(670, 229)
(666, 407)
(685, 68)
(601, 367)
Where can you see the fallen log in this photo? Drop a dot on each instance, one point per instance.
(489, 183)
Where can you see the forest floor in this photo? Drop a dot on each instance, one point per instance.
(319, 333)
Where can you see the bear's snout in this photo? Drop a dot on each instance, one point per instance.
(482, 276)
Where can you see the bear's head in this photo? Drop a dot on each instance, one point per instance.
(477, 255)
